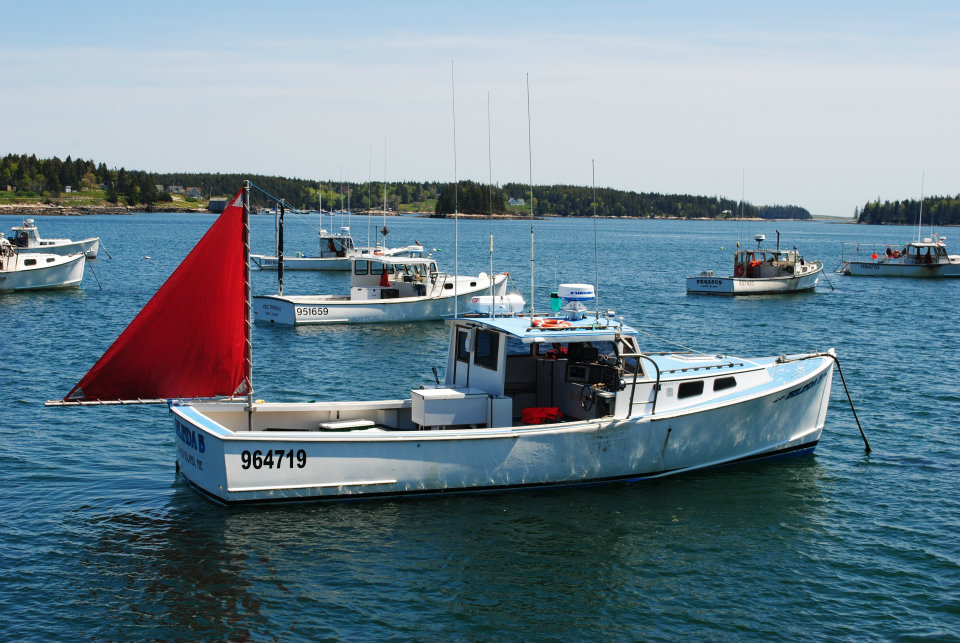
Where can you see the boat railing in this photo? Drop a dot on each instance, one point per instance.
(855, 251)
(636, 375)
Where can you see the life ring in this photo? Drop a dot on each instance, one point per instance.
(738, 271)
(551, 323)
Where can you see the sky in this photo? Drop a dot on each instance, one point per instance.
(821, 104)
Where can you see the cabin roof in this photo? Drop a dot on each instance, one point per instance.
(388, 259)
(580, 330)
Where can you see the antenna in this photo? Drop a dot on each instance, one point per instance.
(384, 193)
(533, 304)
(369, 186)
(596, 259)
(456, 202)
(920, 216)
(493, 303)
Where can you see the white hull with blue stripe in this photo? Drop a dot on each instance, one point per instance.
(616, 414)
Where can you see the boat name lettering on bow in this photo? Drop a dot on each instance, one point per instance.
(197, 463)
(312, 310)
(709, 282)
(191, 438)
(803, 389)
(273, 459)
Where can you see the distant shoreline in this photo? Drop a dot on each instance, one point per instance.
(55, 209)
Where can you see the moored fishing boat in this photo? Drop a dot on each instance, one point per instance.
(335, 250)
(28, 240)
(526, 401)
(922, 259)
(37, 271)
(760, 272)
(383, 289)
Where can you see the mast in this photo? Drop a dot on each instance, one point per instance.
(280, 250)
(249, 300)
(530, 157)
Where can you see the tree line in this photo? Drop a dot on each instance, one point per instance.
(30, 176)
(577, 201)
(937, 211)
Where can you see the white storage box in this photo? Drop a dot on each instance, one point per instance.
(449, 406)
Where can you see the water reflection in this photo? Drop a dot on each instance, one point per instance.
(367, 570)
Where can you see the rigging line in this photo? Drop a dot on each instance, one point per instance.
(664, 339)
(289, 207)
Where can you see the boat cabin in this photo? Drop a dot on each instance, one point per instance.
(26, 236)
(334, 245)
(922, 252)
(766, 264)
(507, 371)
(383, 277)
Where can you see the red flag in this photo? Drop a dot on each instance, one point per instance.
(190, 338)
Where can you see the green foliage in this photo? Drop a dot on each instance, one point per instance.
(937, 211)
(27, 174)
(470, 198)
(575, 201)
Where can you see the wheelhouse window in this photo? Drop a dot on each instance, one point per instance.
(463, 346)
(690, 389)
(723, 383)
(377, 268)
(361, 267)
(487, 350)
(517, 347)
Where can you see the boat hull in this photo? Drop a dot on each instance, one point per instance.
(89, 247)
(306, 309)
(708, 285)
(50, 272)
(234, 465)
(264, 262)
(898, 269)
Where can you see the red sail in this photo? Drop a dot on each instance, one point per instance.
(190, 338)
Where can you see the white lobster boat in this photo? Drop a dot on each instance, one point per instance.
(760, 272)
(384, 289)
(922, 259)
(21, 270)
(335, 251)
(28, 240)
(564, 400)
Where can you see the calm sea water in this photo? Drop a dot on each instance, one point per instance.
(102, 542)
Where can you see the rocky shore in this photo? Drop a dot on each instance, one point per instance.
(56, 209)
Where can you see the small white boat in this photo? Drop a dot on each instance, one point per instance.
(923, 259)
(385, 289)
(36, 270)
(760, 272)
(27, 239)
(526, 402)
(335, 250)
